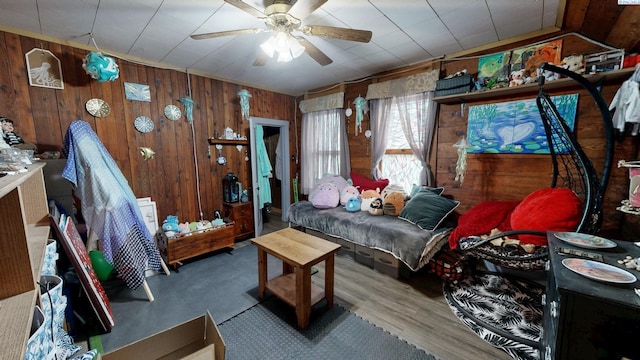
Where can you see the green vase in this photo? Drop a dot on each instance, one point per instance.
(101, 266)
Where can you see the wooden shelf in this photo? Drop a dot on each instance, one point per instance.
(531, 88)
(214, 141)
(284, 286)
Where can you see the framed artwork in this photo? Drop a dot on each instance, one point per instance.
(44, 69)
(79, 256)
(514, 127)
(137, 92)
(494, 68)
(530, 57)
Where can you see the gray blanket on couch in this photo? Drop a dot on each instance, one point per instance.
(406, 241)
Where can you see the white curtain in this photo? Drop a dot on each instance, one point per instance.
(380, 111)
(324, 147)
(418, 124)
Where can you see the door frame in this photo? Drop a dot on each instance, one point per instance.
(283, 142)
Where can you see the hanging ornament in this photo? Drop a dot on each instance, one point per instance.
(361, 108)
(188, 107)
(244, 103)
(461, 164)
(146, 152)
(100, 67)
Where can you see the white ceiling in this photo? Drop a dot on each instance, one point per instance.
(404, 32)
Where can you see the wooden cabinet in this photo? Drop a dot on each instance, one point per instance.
(242, 215)
(177, 248)
(24, 231)
(588, 319)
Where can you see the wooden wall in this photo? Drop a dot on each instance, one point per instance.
(506, 176)
(42, 116)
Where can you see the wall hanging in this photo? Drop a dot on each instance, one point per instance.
(137, 92)
(514, 126)
(361, 108)
(244, 102)
(44, 69)
(188, 107)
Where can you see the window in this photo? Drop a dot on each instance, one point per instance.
(324, 147)
(399, 164)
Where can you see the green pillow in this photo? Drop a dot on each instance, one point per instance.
(415, 188)
(427, 209)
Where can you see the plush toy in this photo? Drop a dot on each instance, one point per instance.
(393, 188)
(170, 224)
(574, 63)
(367, 197)
(376, 207)
(548, 74)
(353, 204)
(325, 196)
(336, 180)
(347, 193)
(393, 203)
(184, 228)
(517, 78)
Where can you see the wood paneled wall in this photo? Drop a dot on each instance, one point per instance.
(505, 176)
(42, 116)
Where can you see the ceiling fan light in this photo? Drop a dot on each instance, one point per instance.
(268, 47)
(284, 56)
(295, 47)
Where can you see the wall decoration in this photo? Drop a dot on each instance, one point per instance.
(172, 112)
(97, 107)
(147, 153)
(514, 126)
(44, 69)
(137, 92)
(530, 57)
(100, 67)
(244, 102)
(188, 107)
(144, 124)
(493, 70)
(361, 108)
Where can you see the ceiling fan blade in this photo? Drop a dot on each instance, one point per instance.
(226, 33)
(337, 33)
(315, 53)
(303, 8)
(246, 8)
(261, 59)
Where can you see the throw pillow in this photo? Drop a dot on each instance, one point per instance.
(547, 209)
(483, 218)
(427, 209)
(415, 188)
(363, 183)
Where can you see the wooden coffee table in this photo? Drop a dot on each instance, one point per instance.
(298, 252)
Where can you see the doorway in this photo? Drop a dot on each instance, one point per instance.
(276, 133)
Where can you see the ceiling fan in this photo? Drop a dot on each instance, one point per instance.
(285, 19)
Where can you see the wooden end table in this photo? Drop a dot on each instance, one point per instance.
(299, 252)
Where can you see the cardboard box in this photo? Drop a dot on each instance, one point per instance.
(364, 255)
(195, 339)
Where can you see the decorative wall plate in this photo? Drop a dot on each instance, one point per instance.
(144, 124)
(97, 107)
(348, 112)
(172, 112)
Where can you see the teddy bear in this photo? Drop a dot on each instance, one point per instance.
(170, 223)
(517, 78)
(367, 197)
(574, 63)
(393, 203)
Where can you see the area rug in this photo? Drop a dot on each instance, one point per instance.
(268, 330)
(504, 311)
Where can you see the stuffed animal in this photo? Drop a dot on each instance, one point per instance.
(336, 180)
(325, 196)
(367, 197)
(376, 207)
(574, 63)
(391, 188)
(347, 193)
(353, 204)
(170, 224)
(517, 78)
(393, 203)
(548, 74)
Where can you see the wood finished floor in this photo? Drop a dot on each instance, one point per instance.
(413, 309)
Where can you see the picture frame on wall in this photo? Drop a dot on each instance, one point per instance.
(137, 92)
(531, 57)
(44, 69)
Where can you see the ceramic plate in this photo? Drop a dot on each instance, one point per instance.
(599, 271)
(585, 240)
